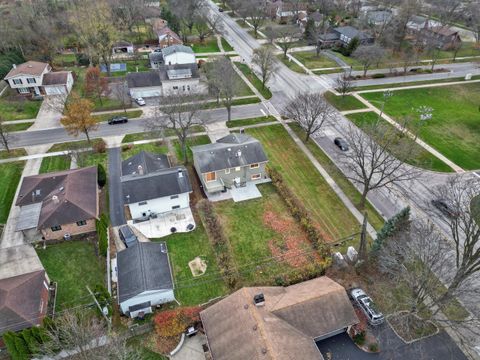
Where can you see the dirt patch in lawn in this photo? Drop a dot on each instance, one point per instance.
(293, 246)
(410, 327)
(197, 266)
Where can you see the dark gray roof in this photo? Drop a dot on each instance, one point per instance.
(172, 181)
(156, 56)
(378, 16)
(140, 306)
(176, 48)
(228, 152)
(351, 32)
(330, 36)
(142, 268)
(149, 163)
(164, 69)
(143, 79)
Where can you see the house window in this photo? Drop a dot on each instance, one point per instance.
(175, 207)
(175, 88)
(256, 177)
(254, 166)
(142, 203)
(211, 176)
(82, 222)
(56, 228)
(227, 171)
(23, 90)
(183, 88)
(17, 81)
(174, 197)
(237, 168)
(31, 80)
(188, 87)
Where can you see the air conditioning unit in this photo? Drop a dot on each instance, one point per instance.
(67, 236)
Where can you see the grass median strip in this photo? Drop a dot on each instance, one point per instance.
(254, 80)
(10, 174)
(129, 114)
(17, 127)
(13, 153)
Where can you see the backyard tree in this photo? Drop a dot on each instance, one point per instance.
(185, 11)
(264, 59)
(224, 82)
(120, 92)
(96, 86)
(5, 136)
(178, 113)
(473, 19)
(286, 36)
(368, 55)
(310, 111)
(343, 84)
(77, 117)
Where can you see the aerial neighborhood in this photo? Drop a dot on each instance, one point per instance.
(240, 179)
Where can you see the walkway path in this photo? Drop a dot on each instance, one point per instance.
(117, 216)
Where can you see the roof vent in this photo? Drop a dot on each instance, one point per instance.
(264, 351)
(55, 199)
(38, 192)
(129, 163)
(61, 188)
(239, 153)
(259, 300)
(140, 169)
(180, 173)
(14, 66)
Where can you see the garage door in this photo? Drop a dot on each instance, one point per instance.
(145, 93)
(330, 334)
(54, 90)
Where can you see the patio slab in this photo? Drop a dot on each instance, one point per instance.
(247, 192)
(161, 226)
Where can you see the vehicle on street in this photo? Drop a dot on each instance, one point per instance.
(127, 236)
(444, 208)
(368, 307)
(140, 101)
(220, 9)
(117, 120)
(341, 143)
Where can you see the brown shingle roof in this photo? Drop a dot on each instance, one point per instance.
(23, 301)
(66, 196)
(285, 328)
(34, 68)
(55, 78)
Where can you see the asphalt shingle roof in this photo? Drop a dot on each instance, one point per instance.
(148, 161)
(34, 68)
(55, 78)
(176, 48)
(143, 79)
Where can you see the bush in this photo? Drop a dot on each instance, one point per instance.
(373, 347)
(82, 59)
(101, 176)
(174, 322)
(378, 76)
(99, 147)
(391, 227)
(359, 338)
(101, 226)
(26, 343)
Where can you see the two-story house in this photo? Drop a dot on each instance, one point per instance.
(233, 161)
(343, 35)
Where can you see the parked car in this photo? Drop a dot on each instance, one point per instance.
(368, 307)
(341, 143)
(140, 101)
(117, 120)
(444, 208)
(220, 9)
(127, 236)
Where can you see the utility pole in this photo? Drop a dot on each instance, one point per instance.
(109, 321)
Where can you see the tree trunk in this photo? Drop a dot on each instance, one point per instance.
(184, 151)
(229, 111)
(88, 136)
(307, 136)
(363, 199)
(362, 250)
(365, 69)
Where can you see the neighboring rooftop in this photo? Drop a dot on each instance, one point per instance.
(175, 49)
(145, 163)
(143, 267)
(286, 326)
(55, 78)
(66, 196)
(231, 151)
(351, 32)
(122, 43)
(143, 79)
(166, 31)
(33, 68)
(170, 72)
(18, 260)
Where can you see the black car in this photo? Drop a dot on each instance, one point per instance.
(127, 236)
(220, 9)
(341, 143)
(117, 120)
(444, 208)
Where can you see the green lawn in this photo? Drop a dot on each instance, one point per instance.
(413, 83)
(242, 90)
(18, 127)
(55, 163)
(251, 121)
(73, 145)
(85, 158)
(236, 102)
(312, 61)
(342, 103)
(73, 265)
(292, 65)
(347, 187)
(422, 159)
(129, 114)
(332, 217)
(132, 66)
(242, 24)
(10, 174)
(254, 80)
(4, 154)
(18, 109)
(454, 129)
(154, 147)
(208, 46)
(226, 45)
(183, 248)
(192, 141)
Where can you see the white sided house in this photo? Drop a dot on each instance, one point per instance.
(151, 187)
(178, 54)
(58, 83)
(144, 278)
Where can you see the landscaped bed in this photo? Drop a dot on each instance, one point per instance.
(422, 158)
(10, 174)
(333, 219)
(73, 265)
(55, 163)
(453, 129)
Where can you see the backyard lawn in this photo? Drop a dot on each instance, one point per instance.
(347, 102)
(13, 108)
(183, 248)
(73, 265)
(251, 121)
(312, 61)
(209, 45)
(254, 80)
(10, 174)
(192, 141)
(333, 218)
(454, 129)
(55, 163)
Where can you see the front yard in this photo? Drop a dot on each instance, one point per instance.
(55, 163)
(253, 78)
(14, 107)
(10, 174)
(156, 147)
(454, 128)
(312, 61)
(73, 265)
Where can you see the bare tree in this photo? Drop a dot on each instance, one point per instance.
(310, 111)
(473, 19)
(447, 11)
(368, 55)
(264, 58)
(286, 36)
(408, 57)
(256, 13)
(343, 84)
(178, 113)
(5, 136)
(120, 92)
(186, 11)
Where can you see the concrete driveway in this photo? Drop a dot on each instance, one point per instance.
(192, 348)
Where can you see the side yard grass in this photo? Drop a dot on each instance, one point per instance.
(209, 45)
(192, 141)
(16, 108)
(55, 163)
(242, 90)
(10, 174)
(292, 65)
(312, 61)
(254, 80)
(73, 265)
(343, 103)
(251, 121)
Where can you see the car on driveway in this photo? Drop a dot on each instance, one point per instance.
(341, 143)
(444, 208)
(117, 120)
(127, 236)
(140, 101)
(368, 307)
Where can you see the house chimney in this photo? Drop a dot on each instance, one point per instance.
(259, 300)
(55, 199)
(140, 169)
(14, 66)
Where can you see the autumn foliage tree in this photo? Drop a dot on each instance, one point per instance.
(77, 117)
(173, 322)
(96, 86)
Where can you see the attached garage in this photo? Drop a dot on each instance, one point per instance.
(57, 83)
(144, 84)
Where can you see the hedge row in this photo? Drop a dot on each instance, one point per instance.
(299, 213)
(25, 344)
(102, 231)
(219, 242)
(7, 59)
(396, 223)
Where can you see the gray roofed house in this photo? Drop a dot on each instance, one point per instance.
(233, 161)
(175, 49)
(378, 17)
(347, 33)
(143, 79)
(145, 162)
(144, 278)
(156, 59)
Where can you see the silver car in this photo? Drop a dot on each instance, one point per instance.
(368, 307)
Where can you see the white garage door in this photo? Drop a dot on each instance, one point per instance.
(54, 90)
(143, 93)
